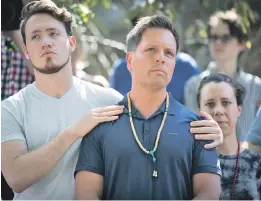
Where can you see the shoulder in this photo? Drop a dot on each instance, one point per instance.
(251, 156)
(186, 59)
(119, 64)
(18, 99)
(251, 79)
(195, 80)
(185, 114)
(97, 134)
(97, 92)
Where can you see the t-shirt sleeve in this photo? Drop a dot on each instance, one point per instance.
(254, 134)
(205, 160)
(11, 128)
(90, 156)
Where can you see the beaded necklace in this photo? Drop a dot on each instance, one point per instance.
(235, 176)
(152, 152)
(232, 194)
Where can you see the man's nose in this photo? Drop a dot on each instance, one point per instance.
(160, 57)
(46, 42)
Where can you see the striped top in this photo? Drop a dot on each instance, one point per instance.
(248, 184)
(252, 85)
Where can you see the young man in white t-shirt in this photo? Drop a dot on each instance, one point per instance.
(43, 124)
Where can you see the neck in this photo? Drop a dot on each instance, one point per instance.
(228, 67)
(147, 102)
(229, 145)
(55, 85)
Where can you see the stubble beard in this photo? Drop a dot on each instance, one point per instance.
(50, 67)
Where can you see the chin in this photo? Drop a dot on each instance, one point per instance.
(226, 132)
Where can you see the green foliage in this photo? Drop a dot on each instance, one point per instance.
(82, 9)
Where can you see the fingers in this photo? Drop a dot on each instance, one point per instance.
(206, 137)
(200, 130)
(206, 115)
(106, 119)
(105, 114)
(109, 108)
(211, 145)
(212, 137)
(108, 113)
(209, 123)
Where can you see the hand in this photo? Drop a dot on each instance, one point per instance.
(93, 118)
(209, 130)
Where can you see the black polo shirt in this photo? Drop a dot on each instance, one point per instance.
(110, 150)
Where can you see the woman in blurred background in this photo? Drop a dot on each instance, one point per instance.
(222, 98)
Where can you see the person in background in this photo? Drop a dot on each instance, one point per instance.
(227, 40)
(253, 139)
(185, 68)
(16, 72)
(222, 98)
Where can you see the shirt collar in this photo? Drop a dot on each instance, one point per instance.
(137, 114)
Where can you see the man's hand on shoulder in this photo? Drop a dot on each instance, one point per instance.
(207, 130)
(93, 118)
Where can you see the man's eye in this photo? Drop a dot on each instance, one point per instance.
(150, 49)
(211, 105)
(54, 34)
(35, 37)
(170, 54)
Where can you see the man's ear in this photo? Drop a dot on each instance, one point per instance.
(72, 41)
(129, 60)
(25, 52)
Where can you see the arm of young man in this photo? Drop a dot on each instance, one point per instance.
(21, 168)
(206, 173)
(89, 170)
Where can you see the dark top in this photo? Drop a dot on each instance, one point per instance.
(111, 151)
(248, 186)
(11, 14)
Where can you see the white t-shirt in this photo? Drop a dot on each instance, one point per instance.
(36, 118)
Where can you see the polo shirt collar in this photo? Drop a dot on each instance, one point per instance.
(137, 114)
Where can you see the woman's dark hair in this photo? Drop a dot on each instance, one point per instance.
(218, 78)
(234, 23)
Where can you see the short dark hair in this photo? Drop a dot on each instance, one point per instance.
(234, 23)
(144, 23)
(48, 7)
(218, 78)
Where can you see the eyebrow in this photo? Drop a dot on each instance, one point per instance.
(211, 99)
(48, 29)
(151, 45)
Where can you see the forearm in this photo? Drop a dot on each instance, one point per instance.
(206, 196)
(84, 194)
(206, 186)
(33, 166)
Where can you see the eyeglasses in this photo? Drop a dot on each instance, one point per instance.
(223, 38)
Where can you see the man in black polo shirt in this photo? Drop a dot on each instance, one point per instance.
(148, 153)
